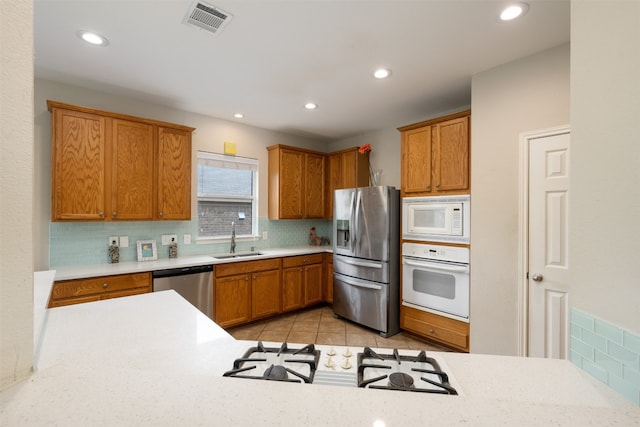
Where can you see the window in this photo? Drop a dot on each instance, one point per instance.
(227, 192)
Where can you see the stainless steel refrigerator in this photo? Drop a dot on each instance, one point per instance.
(366, 257)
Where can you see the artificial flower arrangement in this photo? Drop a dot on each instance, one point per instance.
(365, 150)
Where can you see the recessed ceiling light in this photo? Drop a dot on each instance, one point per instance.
(310, 106)
(514, 11)
(93, 38)
(382, 73)
(238, 115)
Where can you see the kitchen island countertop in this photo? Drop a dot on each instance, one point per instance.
(83, 271)
(153, 359)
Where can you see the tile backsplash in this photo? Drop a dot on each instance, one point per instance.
(607, 352)
(74, 243)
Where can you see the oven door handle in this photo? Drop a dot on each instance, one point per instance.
(436, 266)
(359, 284)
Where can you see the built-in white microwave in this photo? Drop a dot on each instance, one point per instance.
(436, 218)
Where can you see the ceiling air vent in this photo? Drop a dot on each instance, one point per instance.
(207, 17)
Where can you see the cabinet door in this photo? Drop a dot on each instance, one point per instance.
(132, 170)
(312, 284)
(232, 300)
(328, 279)
(416, 160)
(291, 184)
(265, 293)
(174, 174)
(314, 185)
(452, 159)
(334, 181)
(78, 155)
(292, 290)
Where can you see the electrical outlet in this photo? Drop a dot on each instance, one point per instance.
(166, 239)
(124, 241)
(186, 239)
(265, 235)
(113, 240)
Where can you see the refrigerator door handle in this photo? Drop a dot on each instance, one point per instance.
(357, 215)
(359, 283)
(360, 263)
(352, 224)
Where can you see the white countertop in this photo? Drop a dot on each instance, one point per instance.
(154, 359)
(68, 272)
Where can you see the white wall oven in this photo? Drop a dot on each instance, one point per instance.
(435, 278)
(436, 218)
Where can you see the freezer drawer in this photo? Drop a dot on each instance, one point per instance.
(361, 301)
(376, 271)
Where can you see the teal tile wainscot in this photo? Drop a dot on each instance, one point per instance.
(74, 243)
(607, 352)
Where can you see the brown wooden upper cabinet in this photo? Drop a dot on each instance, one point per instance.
(109, 167)
(345, 169)
(296, 183)
(435, 156)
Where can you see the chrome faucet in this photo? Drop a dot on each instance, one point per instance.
(233, 237)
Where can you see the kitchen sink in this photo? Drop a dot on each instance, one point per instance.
(238, 255)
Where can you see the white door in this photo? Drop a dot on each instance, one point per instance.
(548, 266)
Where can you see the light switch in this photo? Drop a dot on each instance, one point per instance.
(186, 239)
(124, 241)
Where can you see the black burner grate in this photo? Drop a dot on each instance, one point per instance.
(398, 381)
(251, 359)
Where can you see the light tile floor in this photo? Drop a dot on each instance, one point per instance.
(319, 326)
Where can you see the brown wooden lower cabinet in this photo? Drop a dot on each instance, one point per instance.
(265, 293)
(245, 291)
(328, 278)
(67, 292)
(302, 279)
(449, 332)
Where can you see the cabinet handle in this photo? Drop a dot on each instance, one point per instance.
(437, 185)
(428, 187)
(431, 331)
(254, 277)
(105, 285)
(246, 279)
(101, 214)
(160, 214)
(114, 213)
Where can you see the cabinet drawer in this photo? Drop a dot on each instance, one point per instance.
(99, 285)
(442, 329)
(233, 268)
(295, 261)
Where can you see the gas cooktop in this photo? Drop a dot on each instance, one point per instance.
(388, 369)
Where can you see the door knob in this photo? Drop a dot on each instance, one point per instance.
(537, 277)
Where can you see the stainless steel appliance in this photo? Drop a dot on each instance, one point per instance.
(435, 278)
(195, 284)
(388, 369)
(436, 218)
(366, 247)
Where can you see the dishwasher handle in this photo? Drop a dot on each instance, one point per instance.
(172, 272)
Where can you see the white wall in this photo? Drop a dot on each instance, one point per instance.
(16, 177)
(521, 96)
(210, 135)
(385, 152)
(605, 160)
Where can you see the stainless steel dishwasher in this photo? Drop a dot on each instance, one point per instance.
(195, 284)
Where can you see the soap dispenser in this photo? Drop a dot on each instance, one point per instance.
(173, 248)
(114, 252)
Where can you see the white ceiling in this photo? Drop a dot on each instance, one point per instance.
(274, 56)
